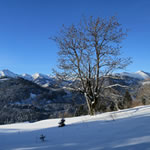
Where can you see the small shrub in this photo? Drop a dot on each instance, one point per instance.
(62, 123)
(42, 138)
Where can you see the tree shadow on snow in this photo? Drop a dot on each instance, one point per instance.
(120, 134)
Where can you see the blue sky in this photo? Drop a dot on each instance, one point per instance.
(26, 25)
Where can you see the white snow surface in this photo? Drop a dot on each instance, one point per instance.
(145, 82)
(45, 85)
(127, 129)
(114, 85)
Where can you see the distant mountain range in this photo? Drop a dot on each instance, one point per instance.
(24, 98)
(35, 97)
(41, 79)
(8, 73)
(46, 80)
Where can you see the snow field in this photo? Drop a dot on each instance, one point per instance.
(127, 129)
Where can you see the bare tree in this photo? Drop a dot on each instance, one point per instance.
(88, 52)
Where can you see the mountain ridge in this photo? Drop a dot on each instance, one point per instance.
(39, 96)
(7, 73)
(142, 75)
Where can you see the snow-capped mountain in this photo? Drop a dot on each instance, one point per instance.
(43, 79)
(27, 77)
(40, 75)
(20, 94)
(144, 75)
(47, 80)
(38, 78)
(141, 75)
(31, 101)
(7, 73)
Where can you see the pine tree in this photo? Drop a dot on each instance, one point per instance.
(62, 122)
(42, 138)
(127, 101)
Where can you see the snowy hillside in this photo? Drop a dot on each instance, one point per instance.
(146, 82)
(122, 130)
(139, 75)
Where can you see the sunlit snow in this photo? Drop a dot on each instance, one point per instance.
(121, 130)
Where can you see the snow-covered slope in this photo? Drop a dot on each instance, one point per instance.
(139, 75)
(145, 82)
(40, 75)
(43, 79)
(7, 73)
(122, 130)
(143, 74)
(27, 77)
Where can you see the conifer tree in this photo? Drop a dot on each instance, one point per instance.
(127, 101)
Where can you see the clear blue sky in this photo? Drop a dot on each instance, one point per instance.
(26, 25)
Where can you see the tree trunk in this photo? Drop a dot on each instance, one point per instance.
(88, 101)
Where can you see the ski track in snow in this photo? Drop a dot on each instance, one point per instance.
(127, 129)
